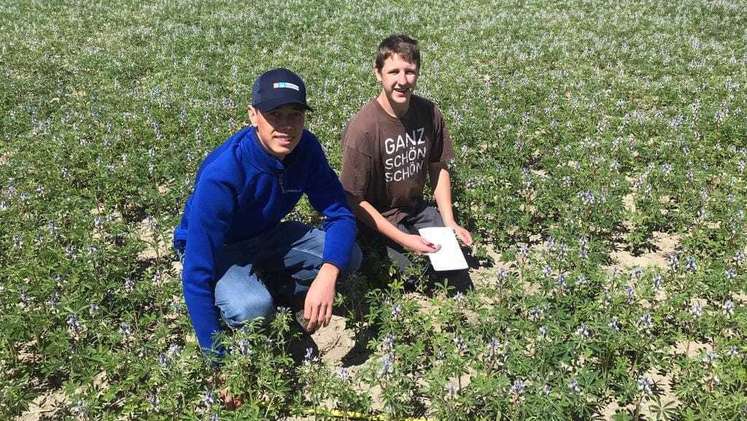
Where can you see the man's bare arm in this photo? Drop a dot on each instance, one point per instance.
(364, 211)
(441, 181)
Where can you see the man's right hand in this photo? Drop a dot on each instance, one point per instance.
(418, 244)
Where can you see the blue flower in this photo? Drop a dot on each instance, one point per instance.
(645, 384)
(574, 386)
(696, 309)
(728, 307)
(630, 292)
(691, 266)
(583, 331)
(387, 364)
(309, 356)
(518, 387)
(396, 310)
(657, 281)
(388, 343)
(208, 398)
(614, 324)
(645, 321)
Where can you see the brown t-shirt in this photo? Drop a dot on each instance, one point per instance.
(386, 159)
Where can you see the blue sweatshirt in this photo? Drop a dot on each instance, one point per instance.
(242, 191)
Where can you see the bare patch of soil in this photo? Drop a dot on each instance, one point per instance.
(45, 406)
(156, 245)
(663, 245)
(334, 341)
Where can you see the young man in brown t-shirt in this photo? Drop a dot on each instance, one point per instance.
(388, 148)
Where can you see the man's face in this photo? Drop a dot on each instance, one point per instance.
(398, 78)
(279, 130)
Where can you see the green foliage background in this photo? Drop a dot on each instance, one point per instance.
(561, 112)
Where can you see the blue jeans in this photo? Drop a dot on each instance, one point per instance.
(276, 267)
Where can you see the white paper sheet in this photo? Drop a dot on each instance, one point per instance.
(450, 256)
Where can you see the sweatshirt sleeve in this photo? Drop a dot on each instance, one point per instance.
(326, 195)
(212, 208)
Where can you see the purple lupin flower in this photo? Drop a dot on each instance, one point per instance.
(645, 322)
(581, 279)
(518, 387)
(658, 280)
(387, 364)
(696, 309)
(547, 270)
(125, 330)
(535, 314)
(691, 265)
(245, 347)
(728, 307)
(645, 385)
(388, 343)
(494, 348)
(309, 355)
(739, 258)
(461, 346)
(583, 252)
(574, 386)
(396, 310)
(523, 250)
(73, 324)
(614, 324)
(583, 331)
(543, 331)
(674, 261)
(709, 358)
(154, 401)
(630, 294)
(208, 398)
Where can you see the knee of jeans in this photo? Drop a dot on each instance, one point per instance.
(356, 258)
(245, 309)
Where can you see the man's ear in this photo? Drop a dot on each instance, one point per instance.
(377, 72)
(252, 115)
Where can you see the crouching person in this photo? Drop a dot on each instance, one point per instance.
(240, 260)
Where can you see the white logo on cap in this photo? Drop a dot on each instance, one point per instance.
(287, 85)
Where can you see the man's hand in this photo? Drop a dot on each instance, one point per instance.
(418, 244)
(229, 401)
(462, 234)
(317, 308)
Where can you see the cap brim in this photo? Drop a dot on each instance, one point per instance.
(271, 105)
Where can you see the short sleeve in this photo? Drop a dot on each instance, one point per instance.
(356, 163)
(443, 148)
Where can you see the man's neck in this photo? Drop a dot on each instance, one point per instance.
(391, 109)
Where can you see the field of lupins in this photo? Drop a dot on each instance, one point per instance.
(601, 153)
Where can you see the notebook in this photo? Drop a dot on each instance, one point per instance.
(449, 256)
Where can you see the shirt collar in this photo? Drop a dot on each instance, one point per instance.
(263, 160)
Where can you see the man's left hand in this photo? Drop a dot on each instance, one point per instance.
(462, 234)
(317, 307)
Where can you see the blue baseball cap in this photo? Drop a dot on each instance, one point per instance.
(278, 87)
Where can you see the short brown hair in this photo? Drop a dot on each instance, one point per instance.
(398, 44)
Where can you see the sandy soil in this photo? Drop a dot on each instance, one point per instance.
(663, 243)
(156, 244)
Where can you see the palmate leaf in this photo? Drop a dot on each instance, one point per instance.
(663, 411)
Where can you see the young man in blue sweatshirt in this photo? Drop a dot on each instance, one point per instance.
(239, 258)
